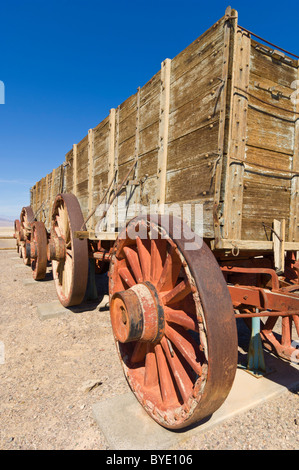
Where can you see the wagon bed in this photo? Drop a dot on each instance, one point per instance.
(217, 126)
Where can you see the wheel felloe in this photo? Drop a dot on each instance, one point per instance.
(178, 354)
(69, 255)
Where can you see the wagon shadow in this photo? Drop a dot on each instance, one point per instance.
(278, 370)
(98, 300)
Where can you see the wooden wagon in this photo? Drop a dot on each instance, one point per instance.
(188, 193)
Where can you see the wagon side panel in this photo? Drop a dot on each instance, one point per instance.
(270, 144)
(261, 142)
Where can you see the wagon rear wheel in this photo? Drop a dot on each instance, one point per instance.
(69, 255)
(173, 321)
(38, 249)
(26, 221)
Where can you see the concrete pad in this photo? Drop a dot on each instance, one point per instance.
(51, 310)
(29, 282)
(127, 426)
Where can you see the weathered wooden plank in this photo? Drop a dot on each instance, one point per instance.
(149, 138)
(266, 160)
(69, 177)
(230, 28)
(75, 170)
(256, 246)
(278, 245)
(82, 174)
(207, 45)
(194, 115)
(236, 136)
(90, 175)
(269, 68)
(200, 80)
(183, 184)
(294, 203)
(272, 97)
(270, 132)
(265, 198)
(163, 132)
(191, 147)
(150, 90)
(101, 138)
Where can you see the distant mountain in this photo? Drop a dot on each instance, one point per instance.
(6, 222)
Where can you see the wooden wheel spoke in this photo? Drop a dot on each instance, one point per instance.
(178, 293)
(168, 392)
(182, 379)
(170, 272)
(156, 260)
(296, 321)
(133, 261)
(185, 346)
(180, 317)
(59, 222)
(151, 378)
(67, 273)
(139, 352)
(144, 257)
(60, 268)
(127, 277)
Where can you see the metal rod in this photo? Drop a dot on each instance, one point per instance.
(267, 42)
(267, 314)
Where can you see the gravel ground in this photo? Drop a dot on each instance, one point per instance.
(55, 370)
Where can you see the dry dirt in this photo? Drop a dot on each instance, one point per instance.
(55, 370)
(50, 366)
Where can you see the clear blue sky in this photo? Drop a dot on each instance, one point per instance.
(66, 63)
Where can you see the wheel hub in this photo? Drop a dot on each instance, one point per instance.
(137, 314)
(56, 249)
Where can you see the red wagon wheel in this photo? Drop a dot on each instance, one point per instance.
(173, 321)
(69, 255)
(38, 250)
(26, 220)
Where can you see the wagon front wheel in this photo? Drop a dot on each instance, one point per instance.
(172, 320)
(69, 255)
